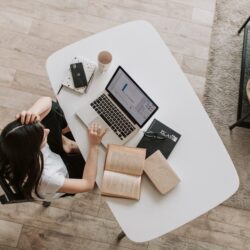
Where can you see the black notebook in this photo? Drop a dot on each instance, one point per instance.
(159, 136)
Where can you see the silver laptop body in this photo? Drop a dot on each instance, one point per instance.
(123, 107)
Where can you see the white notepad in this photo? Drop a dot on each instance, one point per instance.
(89, 69)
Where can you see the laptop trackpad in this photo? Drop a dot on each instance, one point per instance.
(99, 121)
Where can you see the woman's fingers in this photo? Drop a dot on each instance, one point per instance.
(23, 114)
(96, 133)
(34, 118)
(27, 117)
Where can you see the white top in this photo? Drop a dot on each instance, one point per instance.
(53, 175)
(208, 176)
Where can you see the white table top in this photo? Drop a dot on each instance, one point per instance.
(208, 176)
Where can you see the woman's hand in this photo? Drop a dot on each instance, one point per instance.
(28, 117)
(96, 132)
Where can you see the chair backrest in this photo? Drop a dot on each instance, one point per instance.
(11, 195)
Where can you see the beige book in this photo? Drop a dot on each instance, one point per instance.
(160, 173)
(123, 169)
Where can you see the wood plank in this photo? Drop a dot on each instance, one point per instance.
(198, 84)
(186, 46)
(7, 115)
(71, 18)
(203, 16)
(194, 66)
(7, 74)
(28, 44)
(66, 222)
(166, 9)
(221, 234)
(63, 203)
(15, 22)
(231, 216)
(163, 24)
(4, 247)
(22, 61)
(31, 83)
(177, 242)
(178, 57)
(9, 233)
(37, 239)
(24, 100)
(57, 32)
(202, 4)
(66, 4)
(60, 220)
(119, 14)
(87, 203)
(104, 211)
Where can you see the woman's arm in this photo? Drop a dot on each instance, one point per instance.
(37, 111)
(89, 175)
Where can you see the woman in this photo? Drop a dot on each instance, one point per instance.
(46, 171)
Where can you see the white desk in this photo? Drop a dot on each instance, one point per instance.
(200, 158)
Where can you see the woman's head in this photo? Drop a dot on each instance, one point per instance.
(20, 145)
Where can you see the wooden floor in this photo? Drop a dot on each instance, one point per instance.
(30, 31)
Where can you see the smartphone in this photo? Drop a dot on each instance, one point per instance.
(78, 75)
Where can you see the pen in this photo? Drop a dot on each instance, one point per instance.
(59, 90)
(86, 89)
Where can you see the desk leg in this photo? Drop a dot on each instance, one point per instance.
(239, 121)
(244, 24)
(121, 235)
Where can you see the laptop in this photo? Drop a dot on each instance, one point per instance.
(123, 107)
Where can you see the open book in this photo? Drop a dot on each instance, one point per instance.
(123, 169)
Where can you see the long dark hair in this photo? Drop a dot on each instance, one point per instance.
(21, 157)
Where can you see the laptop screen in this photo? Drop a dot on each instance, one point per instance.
(129, 96)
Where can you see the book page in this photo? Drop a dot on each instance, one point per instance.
(121, 185)
(125, 159)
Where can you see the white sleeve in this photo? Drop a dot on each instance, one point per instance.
(51, 184)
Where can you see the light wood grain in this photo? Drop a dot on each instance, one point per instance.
(37, 239)
(87, 203)
(194, 66)
(22, 61)
(7, 74)
(177, 242)
(202, 16)
(198, 84)
(218, 233)
(7, 115)
(9, 233)
(23, 101)
(57, 32)
(31, 83)
(186, 46)
(14, 22)
(28, 44)
(3, 247)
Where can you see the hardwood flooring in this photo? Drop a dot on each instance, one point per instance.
(30, 31)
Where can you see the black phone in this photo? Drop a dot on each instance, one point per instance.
(78, 75)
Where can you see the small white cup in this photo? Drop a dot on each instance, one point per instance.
(104, 60)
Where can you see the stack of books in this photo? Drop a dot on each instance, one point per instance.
(124, 167)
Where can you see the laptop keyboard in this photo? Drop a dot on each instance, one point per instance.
(112, 116)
